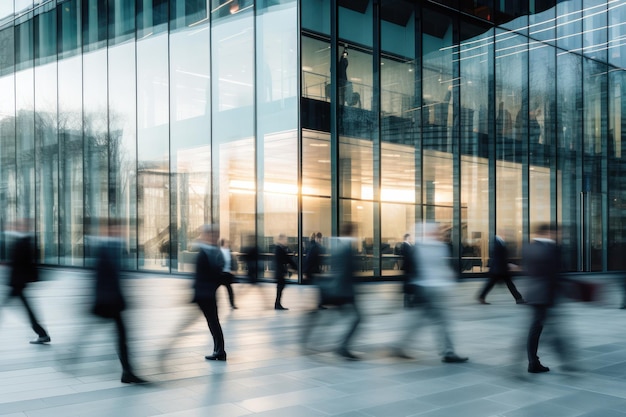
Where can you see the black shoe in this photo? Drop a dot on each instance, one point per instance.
(130, 378)
(234, 307)
(216, 357)
(520, 301)
(345, 353)
(454, 358)
(279, 307)
(40, 340)
(321, 307)
(537, 368)
(482, 301)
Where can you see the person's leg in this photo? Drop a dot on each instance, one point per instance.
(209, 308)
(122, 346)
(486, 288)
(128, 377)
(534, 333)
(511, 286)
(280, 286)
(231, 294)
(41, 332)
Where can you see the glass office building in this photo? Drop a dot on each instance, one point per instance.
(294, 116)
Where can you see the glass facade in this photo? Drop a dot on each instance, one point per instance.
(290, 117)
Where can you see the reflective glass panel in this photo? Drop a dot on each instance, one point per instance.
(511, 134)
(190, 124)
(541, 134)
(617, 33)
(475, 49)
(569, 137)
(153, 180)
(71, 162)
(569, 24)
(594, 146)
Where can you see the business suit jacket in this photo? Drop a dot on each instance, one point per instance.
(313, 259)
(23, 267)
(209, 267)
(282, 259)
(498, 258)
(343, 267)
(109, 300)
(408, 254)
(542, 263)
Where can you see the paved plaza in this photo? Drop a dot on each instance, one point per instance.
(269, 374)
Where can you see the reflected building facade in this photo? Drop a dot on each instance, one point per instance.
(294, 116)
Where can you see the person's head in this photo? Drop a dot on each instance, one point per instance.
(282, 239)
(544, 230)
(318, 236)
(406, 236)
(209, 233)
(348, 229)
(313, 237)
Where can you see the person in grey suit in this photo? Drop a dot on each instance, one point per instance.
(542, 264)
(499, 270)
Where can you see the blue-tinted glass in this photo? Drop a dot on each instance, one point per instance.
(187, 13)
(45, 37)
(569, 24)
(7, 51)
(94, 23)
(569, 137)
(69, 28)
(617, 34)
(595, 30)
(511, 134)
(121, 20)
(316, 15)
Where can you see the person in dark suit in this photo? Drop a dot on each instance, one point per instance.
(542, 263)
(499, 271)
(208, 277)
(282, 260)
(227, 276)
(313, 260)
(24, 271)
(109, 301)
(339, 290)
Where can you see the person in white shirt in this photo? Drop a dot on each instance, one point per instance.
(431, 279)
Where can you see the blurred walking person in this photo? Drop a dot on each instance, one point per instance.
(431, 281)
(338, 290)
(313, 260)
(542, 263)
(499, 270)
(227, 276)
(23, 271)
(109, 301)
(207, 279)
(408, 266)
(282, 261)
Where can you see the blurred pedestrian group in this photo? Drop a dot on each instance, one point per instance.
(331, 265)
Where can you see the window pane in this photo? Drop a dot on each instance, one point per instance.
(71, 162)
(153, 203)
(569, 24)
(190, 122)
(511, 134)
(123, 145)
(316, 15)
(569, 135)
(475, 49)
(7, 156)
